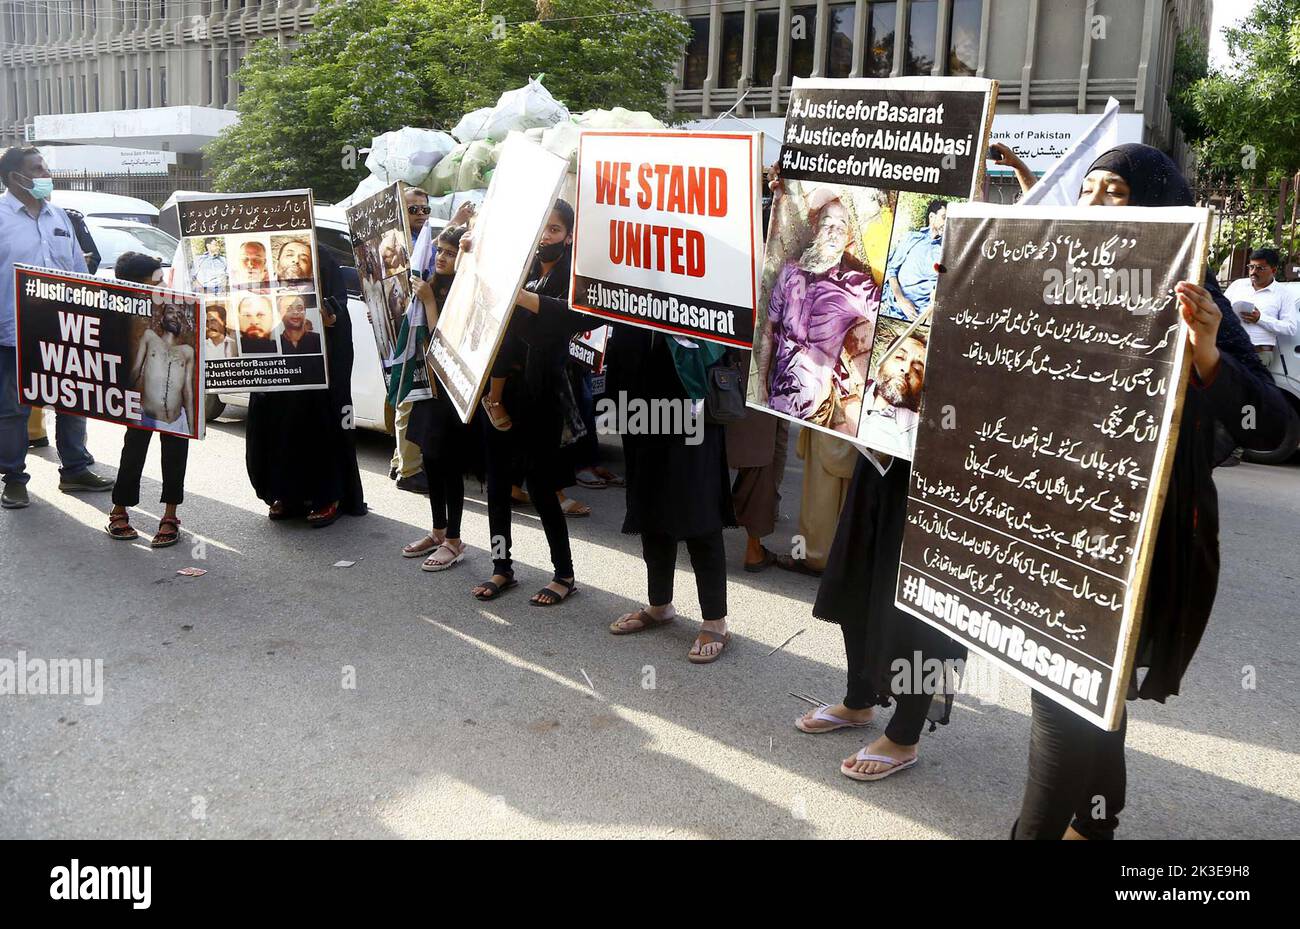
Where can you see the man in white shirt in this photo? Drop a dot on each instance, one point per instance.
(33, 231)
(1266, 309)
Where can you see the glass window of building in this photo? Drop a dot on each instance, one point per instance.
(881, 20)
(964, 38)
(803, 40)
(766, 27)
(922, 31)
(733, 49)
(839, 40)
(697, 54)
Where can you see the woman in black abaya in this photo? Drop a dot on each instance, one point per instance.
(300, 446)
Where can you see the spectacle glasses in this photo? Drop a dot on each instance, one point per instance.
(419, 210)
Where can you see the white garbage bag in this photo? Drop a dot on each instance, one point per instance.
(528, 107)
(445, 207)
(407, 154)
(477, 164)
(562, 139)
(442, 179)
(367, 188)
(617, 118)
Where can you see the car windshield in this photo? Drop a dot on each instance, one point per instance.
(113, 239)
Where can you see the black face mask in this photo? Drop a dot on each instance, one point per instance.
(552, 252)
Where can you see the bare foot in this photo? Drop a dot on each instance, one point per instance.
(882, 746)
(709, 650)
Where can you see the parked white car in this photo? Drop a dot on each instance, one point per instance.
(108, 206)
(116, 236)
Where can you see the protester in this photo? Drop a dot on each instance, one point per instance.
(33, 231)
(37, 437)
(677, 481)
(756, 448)
(449, 448)
(1076, 783)
(406, 467)
(910, 273)
(540, 399)
(828, 464)
(154, 354)
(300, 447)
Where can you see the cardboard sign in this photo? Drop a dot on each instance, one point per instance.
(110, 350)
(1058, 364)
(868, 169)
(668, 226)
(381, 241)
(253, 258)
(588, 348)
(506, 230)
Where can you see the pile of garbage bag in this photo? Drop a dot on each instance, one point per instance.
(457, 166)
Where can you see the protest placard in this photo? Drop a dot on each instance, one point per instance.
(124, 353)
(505, 230)
(1058, 359)
(588, 348)
(381, 242)
(668, 228)
(867, 168)
(253, 257)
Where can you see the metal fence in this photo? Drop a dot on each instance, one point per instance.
(1246, 218)
(155, 188)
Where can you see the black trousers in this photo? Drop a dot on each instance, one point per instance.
(135, 445)
(910, 710)
(1076, 775)
(446, 486)
(708, 561)
(500, 477)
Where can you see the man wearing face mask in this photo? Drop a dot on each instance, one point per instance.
(35, 232)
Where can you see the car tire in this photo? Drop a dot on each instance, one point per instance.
(1289, 446)
(212, 407)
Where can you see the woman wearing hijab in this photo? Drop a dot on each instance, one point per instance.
(678, 487)
(537, 393)
(300, 447)
(1076, 780)
(450, 448)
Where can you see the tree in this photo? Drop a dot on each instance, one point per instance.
(1251, 112)
(370, 66)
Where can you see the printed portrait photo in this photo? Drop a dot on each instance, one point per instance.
(910, 275)
(162, 367)
(298, 324)
(219, 339)
(209, 267)
(392, 253)
(891, 403)
(250, 262)
(292, 259)
(257, 322)
(821, 293)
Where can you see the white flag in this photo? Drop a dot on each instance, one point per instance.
(1060, 185)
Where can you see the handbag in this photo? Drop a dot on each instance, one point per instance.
(724, 397)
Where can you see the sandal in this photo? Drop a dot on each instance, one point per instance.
(421, 547)
(573, 509)
(520, 496)
(821, 715)
(119, 527)
(548, 597)
(497, 415)
(318, 519)
(609, 477)
(769, 559)
(434, 563)
(646, 619)
(587, 477)
(277, 511)
(708, 638)
(491, 591)
(797, 565)
(894, 766)
(168, 534)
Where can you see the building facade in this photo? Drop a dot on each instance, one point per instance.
(63, 57)
(1049, 56)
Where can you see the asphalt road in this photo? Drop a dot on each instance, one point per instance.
(225, 710)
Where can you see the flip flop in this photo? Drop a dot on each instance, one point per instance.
(647, 621)
(573, 509)
(894, 767)
(826, 717)
(708, 638)
(588, 478)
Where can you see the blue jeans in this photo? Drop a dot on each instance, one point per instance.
(69, 430)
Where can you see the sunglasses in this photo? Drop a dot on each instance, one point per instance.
(419, 210)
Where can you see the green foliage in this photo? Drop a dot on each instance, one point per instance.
(1191, 64)
(1251, 112)
(370, 66)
